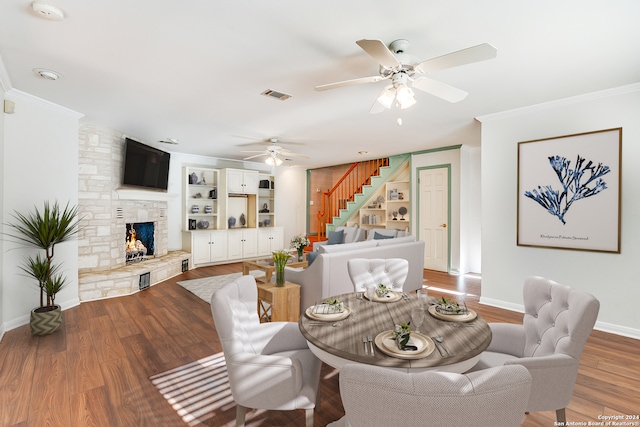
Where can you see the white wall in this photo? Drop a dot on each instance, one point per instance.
(291, 199)
(612, 278)
(40, 156)
(2, 217)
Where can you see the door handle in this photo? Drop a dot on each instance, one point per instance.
(443, 225)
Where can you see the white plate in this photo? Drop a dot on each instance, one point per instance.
(327, 317)
(392, 296)
(468, 317)
(386, 344)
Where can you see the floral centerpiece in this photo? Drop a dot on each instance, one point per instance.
(280, 259)
(299, 242)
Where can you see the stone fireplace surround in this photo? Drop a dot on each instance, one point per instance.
(105, 211)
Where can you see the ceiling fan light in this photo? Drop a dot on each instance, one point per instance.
(387, 97)
(405, 97)
(273, 160)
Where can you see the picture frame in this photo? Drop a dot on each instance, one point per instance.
(569, 192)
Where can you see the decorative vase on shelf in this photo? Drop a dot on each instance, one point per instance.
(243, 220)
(232, 222)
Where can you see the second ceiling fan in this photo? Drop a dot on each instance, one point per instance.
(405, 73)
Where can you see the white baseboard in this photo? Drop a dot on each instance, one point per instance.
(24, 320)
(600, 326)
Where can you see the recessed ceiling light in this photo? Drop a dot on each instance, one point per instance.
(47, 74)
(363, 152)
(47, 10)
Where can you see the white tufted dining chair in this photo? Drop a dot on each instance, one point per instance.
(269, 365)
(375, 396)
(391, 271)
(556, 325)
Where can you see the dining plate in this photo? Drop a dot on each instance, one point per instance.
(386, 344)
(468, 317)
(392, 296)
(330, 317)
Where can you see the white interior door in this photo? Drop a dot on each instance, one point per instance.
(433, 187)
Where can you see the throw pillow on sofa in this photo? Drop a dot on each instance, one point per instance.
(378, 236)
(335, 237)
(311, 256)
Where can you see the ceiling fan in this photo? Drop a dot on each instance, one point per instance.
(273, 151)
(405, 73)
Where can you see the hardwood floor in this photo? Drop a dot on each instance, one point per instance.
(96, 370)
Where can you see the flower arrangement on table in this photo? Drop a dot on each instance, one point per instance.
(299, 242)
(446, 306)
(280, 259)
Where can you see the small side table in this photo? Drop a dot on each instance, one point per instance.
(278, 304)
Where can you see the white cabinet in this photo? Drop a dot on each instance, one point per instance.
(206, 247)
(241, 181)
(242, 243)
(200, 209)
(270, 239)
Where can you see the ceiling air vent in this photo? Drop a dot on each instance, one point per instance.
(277, 95)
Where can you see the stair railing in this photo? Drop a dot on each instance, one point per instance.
(351, 183)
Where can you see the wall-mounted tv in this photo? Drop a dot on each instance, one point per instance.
(145, 166)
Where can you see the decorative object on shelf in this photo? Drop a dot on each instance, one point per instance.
(267, 222)
(243, 220)
(402, 211)
(395, 215)
(299, 242)
(195, 209)
(400, 196)
(213, 194)
(197, 196)
(280, 259)
(260, 224)
(264, 183)
(393, 194)
(232, 222)
(202, 181)
(43, 230)
(208, 209)
(265, 208)
(192, 224)
(203, 224)
(193, 178)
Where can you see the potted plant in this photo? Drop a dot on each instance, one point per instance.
(299, 243)
(44, 230)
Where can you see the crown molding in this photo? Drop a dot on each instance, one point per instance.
(18, 94)
(620, 90)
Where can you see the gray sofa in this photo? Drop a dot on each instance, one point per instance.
(328, 274)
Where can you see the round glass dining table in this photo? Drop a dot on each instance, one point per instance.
(458, 344)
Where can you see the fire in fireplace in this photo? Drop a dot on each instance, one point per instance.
(139, 242)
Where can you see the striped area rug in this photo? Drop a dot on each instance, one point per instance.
(204, 288)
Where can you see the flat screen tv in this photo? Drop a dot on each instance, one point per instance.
(145, 166)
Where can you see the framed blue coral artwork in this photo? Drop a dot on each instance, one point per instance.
(569, 191)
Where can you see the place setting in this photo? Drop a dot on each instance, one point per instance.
(329, 310)
(382, 293)
(452, 311)
(403, 343)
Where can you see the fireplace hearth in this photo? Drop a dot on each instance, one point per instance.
(139, 242)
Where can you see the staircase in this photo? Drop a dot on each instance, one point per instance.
(354, 189)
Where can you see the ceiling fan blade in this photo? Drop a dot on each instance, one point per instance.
(257, 155)
(380, 52)
(439, 89)
(255, 151)
(477, 53)
(372, 79)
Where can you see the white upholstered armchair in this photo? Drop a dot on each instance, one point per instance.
(557, 322)
(391, 271)
(374, 396)
(269, 364)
